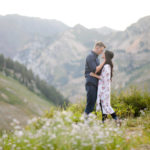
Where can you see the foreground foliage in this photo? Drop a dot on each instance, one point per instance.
(60, 131)
(65, 129)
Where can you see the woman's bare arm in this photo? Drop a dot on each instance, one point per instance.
(94, 75)
(98, 68)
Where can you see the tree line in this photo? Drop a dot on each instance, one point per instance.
(26, 76)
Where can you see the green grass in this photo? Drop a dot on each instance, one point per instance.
(57, 130)
(17, 100)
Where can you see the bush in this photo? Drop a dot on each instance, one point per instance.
(126, 104)
(132, 101)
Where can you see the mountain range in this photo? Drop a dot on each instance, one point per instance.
(57, 52)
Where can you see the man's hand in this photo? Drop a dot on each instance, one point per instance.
(91, 73)
(94, 75)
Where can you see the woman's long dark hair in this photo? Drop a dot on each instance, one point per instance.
(108, 56)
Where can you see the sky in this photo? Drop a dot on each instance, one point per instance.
(116, 14)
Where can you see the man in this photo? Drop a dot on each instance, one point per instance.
(92, 65)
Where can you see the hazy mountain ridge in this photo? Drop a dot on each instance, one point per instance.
(16, 31)
(105, 30)
(61, 60)
(135, 38)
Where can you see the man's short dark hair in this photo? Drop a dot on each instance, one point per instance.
(100, 44)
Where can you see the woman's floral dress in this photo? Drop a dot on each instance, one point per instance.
(104, 91)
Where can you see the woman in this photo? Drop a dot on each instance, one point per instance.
(104, 87)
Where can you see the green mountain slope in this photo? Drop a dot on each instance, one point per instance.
(18, 102)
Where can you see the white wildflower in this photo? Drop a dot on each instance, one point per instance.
(16, 121)
(18, 133)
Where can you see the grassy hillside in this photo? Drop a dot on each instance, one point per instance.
(18, 102)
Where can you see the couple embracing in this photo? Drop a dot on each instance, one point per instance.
(98, 82)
